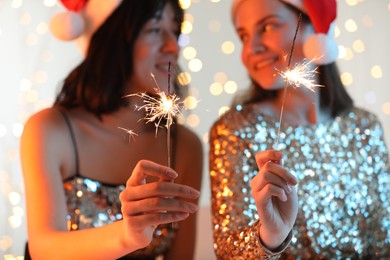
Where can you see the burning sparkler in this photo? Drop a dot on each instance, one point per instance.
(302, 75)
(159, 107)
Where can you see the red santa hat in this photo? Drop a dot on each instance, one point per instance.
(320, 47)
(81, 20)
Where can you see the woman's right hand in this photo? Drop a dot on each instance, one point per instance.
(276, 199)
(146, 205)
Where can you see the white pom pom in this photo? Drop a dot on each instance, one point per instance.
(67, 26)
(321, 49)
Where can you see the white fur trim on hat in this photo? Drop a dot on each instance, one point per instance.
(80, 26)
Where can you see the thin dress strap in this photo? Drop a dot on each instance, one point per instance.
(73, 137)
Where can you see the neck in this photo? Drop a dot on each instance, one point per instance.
(300, 106)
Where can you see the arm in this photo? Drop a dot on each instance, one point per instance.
(189, 164)
(43, 154)
(234, 212)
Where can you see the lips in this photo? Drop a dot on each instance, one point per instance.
(264, 63)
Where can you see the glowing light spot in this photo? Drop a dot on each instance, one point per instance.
(16, 3)
(188, 17)
(216, 89)
(3, 130)
(185, 4)
(32, 96)
(348, 54)
(189, 53)
(230, 87)
(220, 77)
(25, 19)
(184, 40)
(215, 1)
(367, 21)
(206, 138)
(370, 97)
(14, 221)
(386, 108)
(40, 77)
(223, 110)
(195, 65)
(42, 28)
(376, 72)
(190, 102)
(49, 3)
(31, 39)
(337, 32)
(350, 25)
(193, 120)
(17, 129)
(346, 78)
(47, 56)
(358, 46)
(25, 85)
(228, 47)
(14, 198)
(351, 2)
(186, 27)
(342, 52)
(214, 26)
(184, 78)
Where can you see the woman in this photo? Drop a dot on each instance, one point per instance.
(84, 174)
(336, 150)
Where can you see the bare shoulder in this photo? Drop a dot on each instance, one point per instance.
(47, 122)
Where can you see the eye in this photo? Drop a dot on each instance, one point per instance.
(154, 30)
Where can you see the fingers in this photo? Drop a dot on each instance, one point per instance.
(158, 205)
(146, 168)
(266, 156)
(155, 219)
(158, 189)
(268, 162)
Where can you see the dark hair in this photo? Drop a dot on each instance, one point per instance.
(98, 83)
(333, 96)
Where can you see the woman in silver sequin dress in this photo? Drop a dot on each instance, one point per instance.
(85, 175)
(336, 150)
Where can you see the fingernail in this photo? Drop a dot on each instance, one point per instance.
(289, 189)
(172, 174)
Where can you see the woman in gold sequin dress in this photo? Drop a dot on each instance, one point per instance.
(92, 190)
(336, 150)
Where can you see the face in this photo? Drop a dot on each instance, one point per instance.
(155, 48)
(266, 29)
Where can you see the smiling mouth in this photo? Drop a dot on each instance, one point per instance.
(264, 63)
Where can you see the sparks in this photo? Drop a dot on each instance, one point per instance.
(302, 75)
(159, 108)
(130, 133)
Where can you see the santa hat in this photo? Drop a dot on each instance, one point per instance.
(320, 47)
(81, 20)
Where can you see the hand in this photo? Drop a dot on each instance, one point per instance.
(146, 205)
(276, 199)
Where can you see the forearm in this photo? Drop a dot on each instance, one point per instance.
(98, 243)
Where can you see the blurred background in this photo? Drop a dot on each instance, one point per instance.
(33, 64)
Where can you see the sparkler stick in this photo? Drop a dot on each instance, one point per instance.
(162, 106)
(300, 75)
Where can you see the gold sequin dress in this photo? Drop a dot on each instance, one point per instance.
(344, 185)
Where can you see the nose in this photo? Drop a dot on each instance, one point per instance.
(170, 43)
(256, 44)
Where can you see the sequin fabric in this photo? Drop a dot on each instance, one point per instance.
(344, 184)
(92, 204)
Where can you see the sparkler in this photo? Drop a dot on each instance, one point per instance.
(300, 75)
(161, 107)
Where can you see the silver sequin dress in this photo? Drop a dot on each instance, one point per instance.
(344, 185)
(94, 204)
